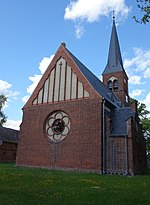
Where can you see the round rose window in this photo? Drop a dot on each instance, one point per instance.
(57, 126)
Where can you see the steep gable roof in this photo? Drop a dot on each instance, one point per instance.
(65, 56)
(100, 87)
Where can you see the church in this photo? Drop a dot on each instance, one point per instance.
(74, 121)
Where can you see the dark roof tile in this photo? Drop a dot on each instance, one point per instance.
(100, 87)
(119, 116)
(8, 135)
(114, 63)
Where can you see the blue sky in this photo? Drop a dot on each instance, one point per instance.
(32, 30)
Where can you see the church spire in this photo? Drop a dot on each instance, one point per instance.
(114, 75)
(114, 63)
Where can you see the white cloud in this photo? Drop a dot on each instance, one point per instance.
(78, 31)
(138, 67)
(14, 124)
(91, 10)
(146, 101)
(5, 88)
(147, 73)
(36, 78)
(140, 61)
(136, 92)
(45, 63)
(13, 94)
(136, 80)
(25, 98)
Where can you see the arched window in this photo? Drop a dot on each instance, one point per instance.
(115, 84)
(110, 84)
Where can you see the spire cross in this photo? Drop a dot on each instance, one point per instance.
(113, 12)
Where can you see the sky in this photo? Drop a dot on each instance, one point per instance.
(31, 31)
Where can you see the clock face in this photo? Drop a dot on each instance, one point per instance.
(57, 126)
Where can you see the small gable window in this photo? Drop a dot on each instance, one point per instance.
(110, 84)
(115, 84)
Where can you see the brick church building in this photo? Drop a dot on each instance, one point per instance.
(73, 121)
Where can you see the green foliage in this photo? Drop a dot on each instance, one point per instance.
(22, 186)
(3, 118)
(144, 7)
(144, 116)
(142, 112)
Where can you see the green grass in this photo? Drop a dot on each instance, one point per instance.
(26, 186)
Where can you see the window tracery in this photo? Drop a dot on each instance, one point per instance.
(112, 83)
(57, 126)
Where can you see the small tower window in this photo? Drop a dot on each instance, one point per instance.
(127, 100)
(115, 84)
(110, 84)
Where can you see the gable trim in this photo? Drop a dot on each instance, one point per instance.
(61, 84)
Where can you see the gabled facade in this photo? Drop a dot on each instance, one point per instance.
(73, 121)
(55, 131)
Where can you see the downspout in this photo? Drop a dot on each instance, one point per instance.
(126, 157)
(104, 141)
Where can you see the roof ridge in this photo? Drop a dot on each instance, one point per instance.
(95, 82)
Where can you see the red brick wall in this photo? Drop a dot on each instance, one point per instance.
(116, 155)
(115, 151)
(137, 147)
(8, 152)
(122, 90)
(80, 150)
(125, 154)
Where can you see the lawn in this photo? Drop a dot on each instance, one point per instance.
(26, 186)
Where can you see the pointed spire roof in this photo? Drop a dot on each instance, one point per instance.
(115, 63)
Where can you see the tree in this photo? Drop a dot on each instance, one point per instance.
(144, 7)
(144, 116)
(3, 118)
